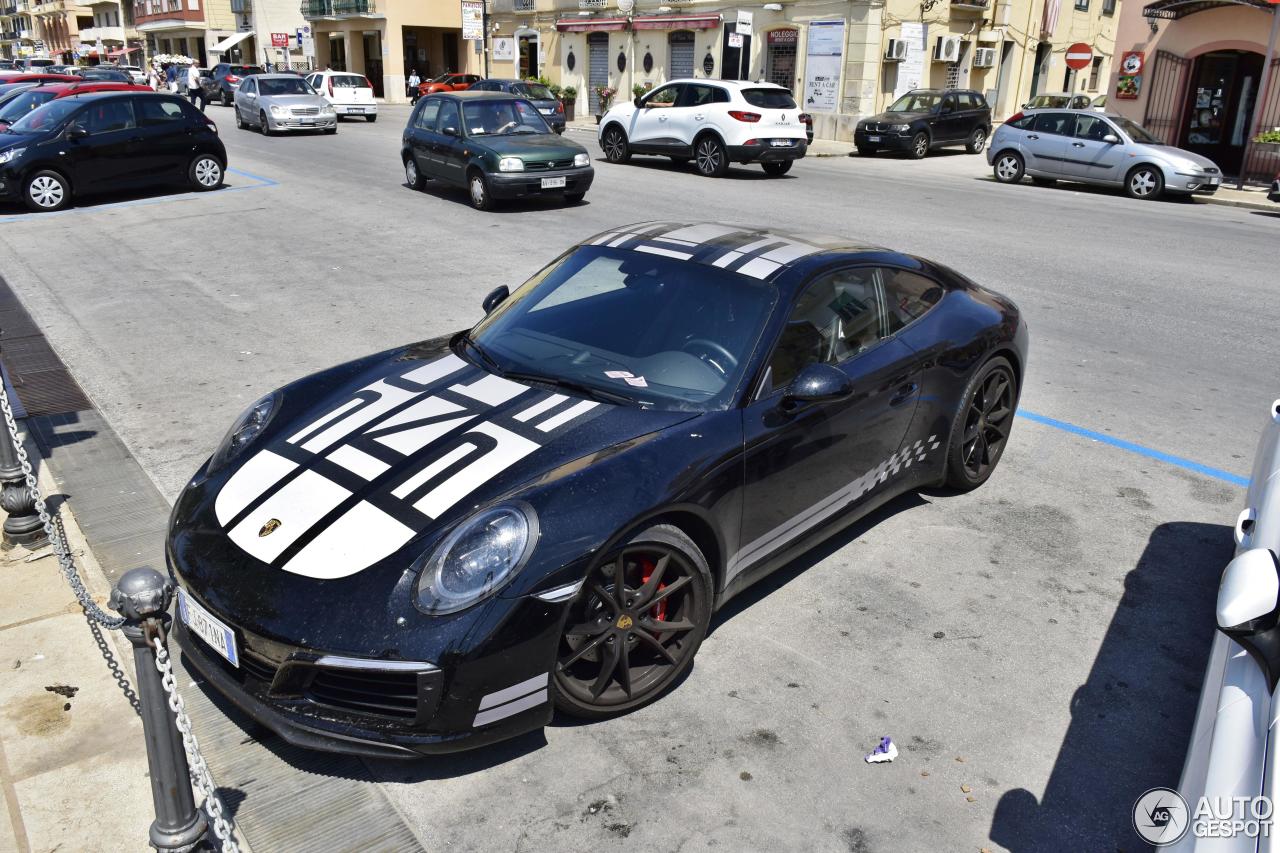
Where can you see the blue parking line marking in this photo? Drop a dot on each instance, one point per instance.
(139, 202)
(1167, 458)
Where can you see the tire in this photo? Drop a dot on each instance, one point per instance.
(977, 141)
(263, 124)
(412, 176)
(980, 429)
(611, 626)
(867, 150)
(46, 191)
(478, 190)
(224, 98)
(574, 198)
(371, 118)
(240, 125)
(205, 173)
(709, 156)
(919, 146)
(1044, 182)
(1008, 167)
(1144, 183)
(614, 143)
(777, 168)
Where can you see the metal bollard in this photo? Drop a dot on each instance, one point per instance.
(142, 597)
(23, 526)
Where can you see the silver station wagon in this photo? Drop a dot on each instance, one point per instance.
(1096, 148)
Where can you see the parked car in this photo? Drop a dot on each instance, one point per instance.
(926, 119)
(37, 96)
(535, 93)
(450, 82)
(1099, 104)
(32, 63)
(95, 141)
(494, 144)
(8, 64)
(1232, 752)
(349, 94)
(1096, 148)
(223, 79)
(427, 550)
(275, 102)
(107, 75)
(1274, 195)
(712, 122)
(1057, 101)
(40, 77)
(8, 91)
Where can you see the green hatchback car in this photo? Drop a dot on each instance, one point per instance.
(496, 145)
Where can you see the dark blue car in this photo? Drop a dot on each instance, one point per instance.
(548, 105)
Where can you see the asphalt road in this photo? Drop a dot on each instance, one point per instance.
(1039, 642)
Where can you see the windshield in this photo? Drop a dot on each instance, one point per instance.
(537, 91)
(46, 117)
(770, 99)
(289, 86)
(659, 332)
(916, 102)
(502, 118)
(23, 104)
(1136, 132)
(442, 78)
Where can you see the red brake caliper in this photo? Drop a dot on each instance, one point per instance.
(659, 610)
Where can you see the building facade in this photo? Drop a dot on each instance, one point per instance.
(842, 60)
(110, 35)
(1194, 73)
(184, 27)
(259, 27)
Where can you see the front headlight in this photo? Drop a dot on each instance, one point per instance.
(278, 112)
(899, 128)
(476, 559)
(11, 154)
(510, 164)
(583, 159)
(326, 109)
(243, 431)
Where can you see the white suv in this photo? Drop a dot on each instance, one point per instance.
(712, 122)
(350, 94)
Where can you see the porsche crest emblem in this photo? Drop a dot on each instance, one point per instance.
(624, 622)
(272, 525)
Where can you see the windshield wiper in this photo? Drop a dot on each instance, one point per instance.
(489, 361)
(570, 385)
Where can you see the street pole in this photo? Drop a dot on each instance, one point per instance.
(23, 525)
(1261, 101)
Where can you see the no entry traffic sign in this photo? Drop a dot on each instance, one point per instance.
(1079, 55)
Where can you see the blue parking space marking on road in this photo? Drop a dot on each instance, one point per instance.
(1167, 458)
(139, 202)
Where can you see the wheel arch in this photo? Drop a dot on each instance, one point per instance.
(708, 131)
(609, 125)
(46, 166)
(703, 534)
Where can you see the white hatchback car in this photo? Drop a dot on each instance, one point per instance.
(711, 122)
(349, 94)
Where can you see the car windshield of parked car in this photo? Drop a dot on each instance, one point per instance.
(769, 99)
(502, 118)
(23, 104)
(630, 327)
(916, 102)
(537, 91)
(45, 117)
(1136, 132)
(289, 86)
(440, 79)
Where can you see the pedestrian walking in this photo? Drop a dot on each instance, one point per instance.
(153, 79)
(414, 80)
(171, 77)
(194, 91)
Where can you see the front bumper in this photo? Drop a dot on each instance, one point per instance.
(766, 152)
(521, 184)
(1199, 184)
(882, 140)
(299, 123)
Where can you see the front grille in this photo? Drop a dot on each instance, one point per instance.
(257, 668)
(306, 111)
(386, 694)
(542, 167)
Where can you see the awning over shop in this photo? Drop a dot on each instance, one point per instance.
(590, 25)
(230, 41)
(122, 52)
(1172, 10)
(676, 22)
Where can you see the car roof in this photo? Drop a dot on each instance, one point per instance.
(732, 84)
(752, 250)
(468, 95)
(276, 76)
(936, 91)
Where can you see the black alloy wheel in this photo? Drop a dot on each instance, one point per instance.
(636, 625)
(981, 428)
(615, 146)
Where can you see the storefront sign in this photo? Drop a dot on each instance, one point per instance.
(735, 39)
(911, 69)
(783, 36)
(592, 4)
(473, 20)
(823, 58)
(1131, 62)
(743, 27)
(504, 49)
(279, 39)
(1128, 86)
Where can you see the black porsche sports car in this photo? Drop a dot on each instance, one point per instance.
(428, 549)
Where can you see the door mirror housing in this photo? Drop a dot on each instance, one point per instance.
(638, 101)
(76, 131)
(817, 383)
(495, 298)
(1111, 139)
(944, 109)
(1249, 608)
(450, 131)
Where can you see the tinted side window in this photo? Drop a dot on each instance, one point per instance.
(770, 99)
(428, 113)
(157, 111)
(1023, 123)
(836, 318)
(949, 103)
(1092, 128)
(448, 116)
(108, 116)
(722, 96)
(907, 296)
(697, 94)
(967, 101)
(1057, 123)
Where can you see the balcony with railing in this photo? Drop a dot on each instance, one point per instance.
(313, 9)
(49, 7)
(93, 35)
(8, 11)
(154, 11)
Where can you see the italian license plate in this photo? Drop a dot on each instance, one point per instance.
(207, 627)
(873, 139)
(546, 112)
(355, 110)
(308, 121)
(1213, 182)
(552, 183)
(781, 143)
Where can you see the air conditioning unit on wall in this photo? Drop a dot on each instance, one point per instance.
(895, 50)
(947, 49)
(984, 57)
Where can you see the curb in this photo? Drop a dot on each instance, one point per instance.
(1267, 206)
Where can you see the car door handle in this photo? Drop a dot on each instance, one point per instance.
(699, 117)
(1077, 145)
(904, 393)
(1032, 136)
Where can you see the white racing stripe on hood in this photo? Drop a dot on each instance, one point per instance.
(361, 537)
(540, 407)
(358, 462)
(567, 415)
(510, 450)
(299, 505)
(491, 390)
(257, 475)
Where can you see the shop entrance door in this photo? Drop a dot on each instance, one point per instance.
(780, 59)
(680, 43)
(528, 52)
(597, 67)
(373, 61)
(1219, 106)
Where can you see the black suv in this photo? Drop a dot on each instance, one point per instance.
(924, 119)
(222, 81)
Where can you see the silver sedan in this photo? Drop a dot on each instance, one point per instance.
(1096, 148)
(274, 102)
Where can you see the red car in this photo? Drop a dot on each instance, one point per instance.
(41, 95)
(39, 78)
(448, 83)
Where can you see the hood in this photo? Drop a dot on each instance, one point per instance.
(541, 146)
(293, 100)
(363, 466)
(1183, 154)
(896, 118)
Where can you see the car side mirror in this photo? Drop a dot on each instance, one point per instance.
(1111, 139)
(77, 131)
(944, 110)
(450, 131)
(1249, 608)
(495, 298)
(638, 101)
(817, 383)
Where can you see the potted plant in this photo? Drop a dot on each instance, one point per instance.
(1269, 139)
(569, 95)
(639, 89)
(604, 94)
